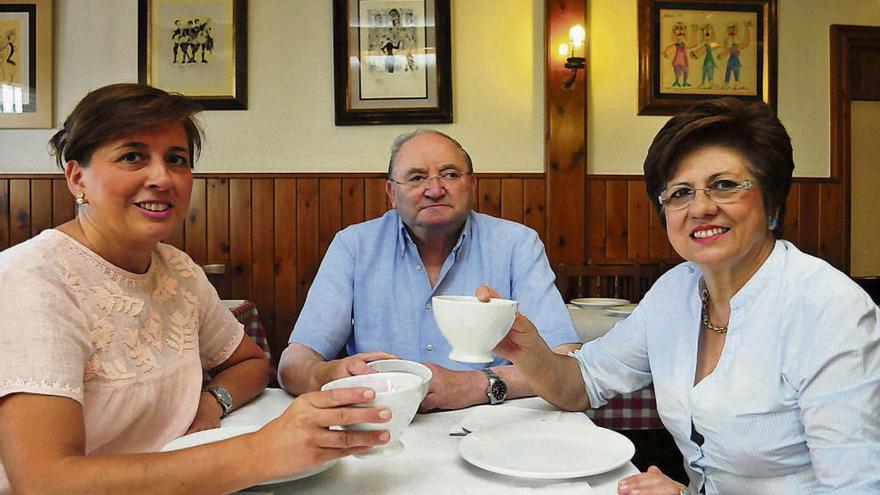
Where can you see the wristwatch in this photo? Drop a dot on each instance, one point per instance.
(497, 390)
(222, 396)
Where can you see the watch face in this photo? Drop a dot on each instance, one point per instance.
(499, 390)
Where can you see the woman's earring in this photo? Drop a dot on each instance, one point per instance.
(772, 223)
(80, 198)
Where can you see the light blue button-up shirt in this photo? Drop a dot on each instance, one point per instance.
(372, 291)
(793, 405)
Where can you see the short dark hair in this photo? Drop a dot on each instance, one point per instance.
(400, 140)
(117, 110)
(749, 128)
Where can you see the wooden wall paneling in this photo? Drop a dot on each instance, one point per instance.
(240, 231)
(565, 121)
(286, 290)
(41, 205)
(533, 207)
(196, 224)
(512, 199)
(808, 218)
(20, 210)
(63, 205)
(660, 248)
(595, 219)
(352, 201)
(616, 216)
(4, 214)
(308, 257)
(638, 221)
(830, 241)
(263, 253)
(791, 214)
(217, 208)
(329, 212)
(375, 204)
(176, 238)
(490, 197)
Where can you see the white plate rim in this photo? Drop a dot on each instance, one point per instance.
(565, 429)
(194, 439)
(624, 310)
(598, 302)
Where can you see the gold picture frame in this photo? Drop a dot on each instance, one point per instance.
(26, 64)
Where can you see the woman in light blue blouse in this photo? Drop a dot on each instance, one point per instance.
(765, 360)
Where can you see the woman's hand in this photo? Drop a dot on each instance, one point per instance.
(651, 482)
(301, 438)
(522, 343)
(207, 415)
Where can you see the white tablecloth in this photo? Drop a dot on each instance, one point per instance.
(429, 464)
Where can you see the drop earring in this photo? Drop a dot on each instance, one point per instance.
(772, 223)
(80, 198)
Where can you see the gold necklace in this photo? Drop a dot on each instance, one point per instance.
(708, 323)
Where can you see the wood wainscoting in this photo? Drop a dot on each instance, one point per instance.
(271, 230)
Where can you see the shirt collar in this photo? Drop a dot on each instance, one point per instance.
(404, 240)
(768, 270)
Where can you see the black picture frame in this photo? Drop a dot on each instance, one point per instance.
(207, 42)
(708, 29)
(26, 52)
(374, 85)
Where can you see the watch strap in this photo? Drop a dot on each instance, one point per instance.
(222, 396)
(495, 381)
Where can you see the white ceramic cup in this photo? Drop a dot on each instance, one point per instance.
(404, 366)
(471, 327)
(401, 393)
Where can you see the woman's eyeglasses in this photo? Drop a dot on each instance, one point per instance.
(421, 181)
(721, 191)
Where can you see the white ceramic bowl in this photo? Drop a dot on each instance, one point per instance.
(399, 392)
(404, 366)
(473, 328)
(598, 302)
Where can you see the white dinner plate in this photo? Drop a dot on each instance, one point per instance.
(224, 432)
(547, 449)
(623, 310)
(598, 302)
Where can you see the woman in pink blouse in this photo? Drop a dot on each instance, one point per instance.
(106, 331)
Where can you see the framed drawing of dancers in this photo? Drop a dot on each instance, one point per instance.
(701, 49)
(197, 48)
(26, 64)
(392, 61)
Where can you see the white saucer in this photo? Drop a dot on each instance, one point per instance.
(224, 432)
(547, 449)
(598, 302)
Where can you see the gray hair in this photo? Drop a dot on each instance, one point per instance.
(402, 139)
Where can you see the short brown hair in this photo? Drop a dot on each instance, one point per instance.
(749, 128)
(118, 110)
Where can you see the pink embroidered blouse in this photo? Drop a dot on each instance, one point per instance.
(129, 347)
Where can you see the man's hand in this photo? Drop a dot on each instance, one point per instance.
(651, 482)
(351, 366)
(454, 389)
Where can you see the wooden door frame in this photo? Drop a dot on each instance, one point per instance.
(843, 40)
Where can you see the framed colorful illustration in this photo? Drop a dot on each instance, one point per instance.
(392, 61)
(197, 48)
(702, 49)
(26, 64)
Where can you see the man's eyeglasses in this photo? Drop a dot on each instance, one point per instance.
(721, 191)
(421, 181)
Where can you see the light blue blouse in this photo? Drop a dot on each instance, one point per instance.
(372, 292)
(793, 405)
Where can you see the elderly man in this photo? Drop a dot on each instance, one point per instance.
(373, 291)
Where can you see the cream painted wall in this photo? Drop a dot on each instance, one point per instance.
(865, 215)
(498, 89)
(618, 138)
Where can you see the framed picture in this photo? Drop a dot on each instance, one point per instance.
(26, 64)
(197, 48)
(392, 61)
(702, 49)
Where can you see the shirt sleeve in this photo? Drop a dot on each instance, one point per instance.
(219, 332)
(325, 322)
(44, 337)
(838, 383)
(539, 300)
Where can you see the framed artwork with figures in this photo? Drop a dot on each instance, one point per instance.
(392, 61)
(26, 64)
(197, 48)
(701, 49)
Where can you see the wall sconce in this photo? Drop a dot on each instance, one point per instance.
(573, 52)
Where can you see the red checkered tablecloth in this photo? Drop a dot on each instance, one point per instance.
(633, 411)
(246, 313)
